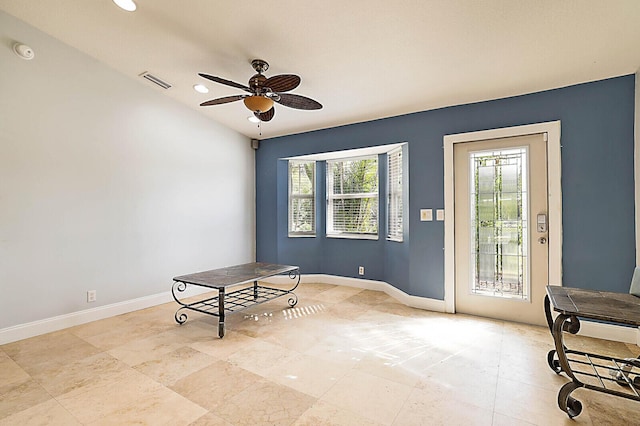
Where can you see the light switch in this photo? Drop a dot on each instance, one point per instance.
(426, 215)
(440, 214)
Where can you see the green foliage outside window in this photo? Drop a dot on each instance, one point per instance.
(352, 189)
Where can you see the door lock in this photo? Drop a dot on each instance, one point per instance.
(541, 220)
(542, 240)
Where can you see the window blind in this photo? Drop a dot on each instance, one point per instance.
(302, 198)
(394, 195)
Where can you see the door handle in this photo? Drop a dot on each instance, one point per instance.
(542, 240)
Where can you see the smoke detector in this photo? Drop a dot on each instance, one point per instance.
(23, 51)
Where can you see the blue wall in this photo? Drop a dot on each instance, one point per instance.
(597, 188)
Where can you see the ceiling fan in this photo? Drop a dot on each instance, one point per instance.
(263, 92)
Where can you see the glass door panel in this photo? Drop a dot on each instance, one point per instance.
(498, 221)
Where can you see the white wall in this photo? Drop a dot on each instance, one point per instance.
(107, 185)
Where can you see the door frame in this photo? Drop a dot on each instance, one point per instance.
(552, 130)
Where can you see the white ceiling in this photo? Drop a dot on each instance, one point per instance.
(362, 60)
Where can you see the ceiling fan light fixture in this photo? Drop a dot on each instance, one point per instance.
(258, 103)
(127, 5)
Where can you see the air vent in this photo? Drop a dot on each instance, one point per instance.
(152, 78)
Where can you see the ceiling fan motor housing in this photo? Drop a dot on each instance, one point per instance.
(257, 81)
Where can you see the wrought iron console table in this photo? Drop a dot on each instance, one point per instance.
(614, 376)
(237, 300)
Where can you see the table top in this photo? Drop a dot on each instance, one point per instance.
(621, 308)
(235, 275)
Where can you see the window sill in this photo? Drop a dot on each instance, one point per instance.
(353, 236)
(301, 235)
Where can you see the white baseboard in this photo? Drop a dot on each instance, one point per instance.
(48, 325)
(402, 297)
(610, 332)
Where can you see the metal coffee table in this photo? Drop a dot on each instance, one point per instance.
(225, 279)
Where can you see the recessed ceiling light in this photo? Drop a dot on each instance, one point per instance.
(253, 119)
(201, 88)
(127, 5)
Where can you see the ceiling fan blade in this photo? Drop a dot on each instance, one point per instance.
(224, 100)
(265, 116)
(225, 82)
(282, 83)
(298, 102)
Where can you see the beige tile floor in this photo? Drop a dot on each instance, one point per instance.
(343, 356)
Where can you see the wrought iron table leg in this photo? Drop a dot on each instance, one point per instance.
(562, 323)
(221, 312)
(547, 313)
(554, 364)
(566, 402)
(180, 317)
(293, 299)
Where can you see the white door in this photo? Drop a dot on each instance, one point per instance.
(501, 250)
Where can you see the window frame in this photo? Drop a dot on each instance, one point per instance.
(330, 196)
(297, 196)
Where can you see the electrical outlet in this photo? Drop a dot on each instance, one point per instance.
(91, 296)
(361, 270)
